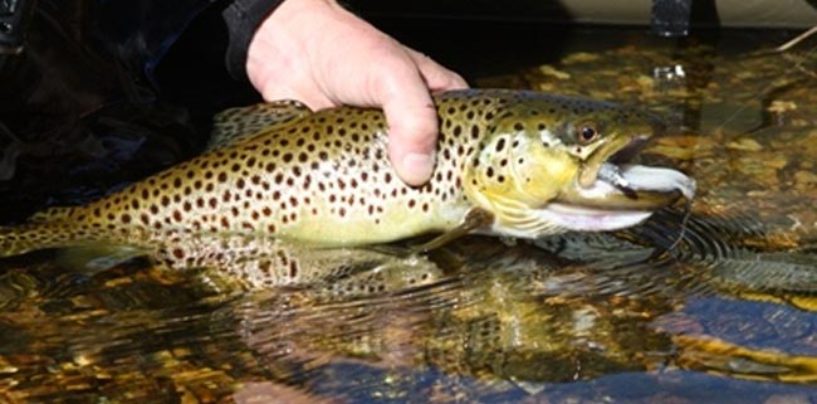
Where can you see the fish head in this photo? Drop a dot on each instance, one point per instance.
(554, 164)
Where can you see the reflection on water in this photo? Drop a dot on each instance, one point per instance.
(716, 302)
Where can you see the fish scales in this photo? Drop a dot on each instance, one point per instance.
(328, 174)
(280, 172)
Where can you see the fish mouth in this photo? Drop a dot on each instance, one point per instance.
(609, 183)
(620, 150)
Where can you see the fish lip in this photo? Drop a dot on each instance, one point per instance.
(627, 187)
(616, 153)
(630, 150)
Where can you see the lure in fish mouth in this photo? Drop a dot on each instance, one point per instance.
(571, 170)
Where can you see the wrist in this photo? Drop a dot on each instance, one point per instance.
(285, 44)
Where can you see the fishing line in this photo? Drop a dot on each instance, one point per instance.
(684, 225)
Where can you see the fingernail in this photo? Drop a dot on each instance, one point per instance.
(417, 168)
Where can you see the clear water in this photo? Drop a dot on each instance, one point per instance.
(717, 305)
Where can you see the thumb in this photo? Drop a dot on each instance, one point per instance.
(413, 127)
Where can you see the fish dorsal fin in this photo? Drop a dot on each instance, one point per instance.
(51, 214)
(237, 123)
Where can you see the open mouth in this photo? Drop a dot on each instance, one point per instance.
(609, 183)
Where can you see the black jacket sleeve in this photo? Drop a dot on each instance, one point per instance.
(141, 32)
(243, 18)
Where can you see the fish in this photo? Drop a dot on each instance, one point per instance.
(509, 163)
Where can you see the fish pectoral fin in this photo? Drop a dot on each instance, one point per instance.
(475, 218)
(94, 258)
(234, 124)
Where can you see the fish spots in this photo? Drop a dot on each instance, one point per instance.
(327, 171)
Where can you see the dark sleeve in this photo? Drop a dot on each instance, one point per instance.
(243, 17)
(140, 32)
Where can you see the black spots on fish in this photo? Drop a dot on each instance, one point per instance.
(489, 172)
(222, 177)
(474, 132)
(500, 145)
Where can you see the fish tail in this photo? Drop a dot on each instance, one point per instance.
(29, 237)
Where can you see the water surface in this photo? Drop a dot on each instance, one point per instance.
(712, 302)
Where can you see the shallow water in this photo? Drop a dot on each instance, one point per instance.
(712, 303)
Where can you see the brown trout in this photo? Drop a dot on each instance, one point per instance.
(509, 163)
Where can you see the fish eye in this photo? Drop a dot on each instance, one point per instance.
(587, 133)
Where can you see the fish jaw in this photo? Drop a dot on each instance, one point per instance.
(630, 187)
(602, 206)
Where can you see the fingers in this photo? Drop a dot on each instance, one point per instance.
(412, 120)
(437, 77)
(313, 99)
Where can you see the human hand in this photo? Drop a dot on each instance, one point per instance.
(316, 52)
